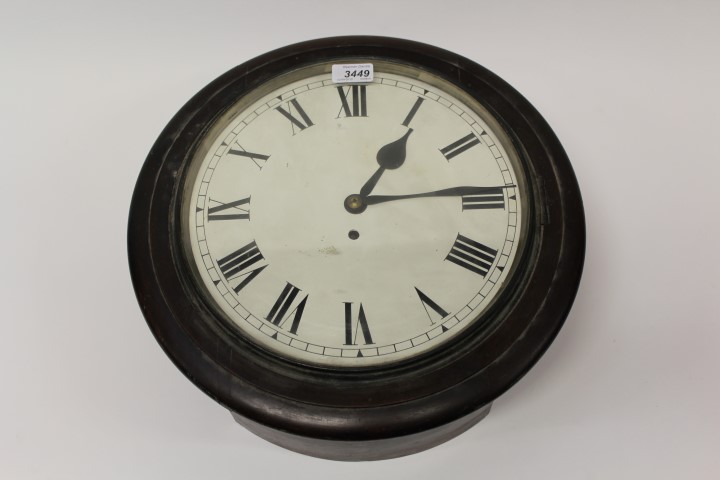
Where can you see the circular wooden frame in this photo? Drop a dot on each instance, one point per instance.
(368, 413)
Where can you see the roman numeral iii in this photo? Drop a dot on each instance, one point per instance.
(471, 255)
(491, 198)
(353, 101)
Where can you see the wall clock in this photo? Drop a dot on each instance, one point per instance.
(356, 244)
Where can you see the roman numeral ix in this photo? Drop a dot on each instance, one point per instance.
(232, 211)
(471, 255)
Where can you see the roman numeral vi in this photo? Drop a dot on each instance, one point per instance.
(362, 325)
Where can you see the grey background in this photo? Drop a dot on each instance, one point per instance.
(629, 389)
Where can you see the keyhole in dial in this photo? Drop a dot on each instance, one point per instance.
(353, 234)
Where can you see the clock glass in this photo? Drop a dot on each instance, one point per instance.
(354, 225)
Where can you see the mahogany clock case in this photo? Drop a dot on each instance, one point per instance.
(372, 412)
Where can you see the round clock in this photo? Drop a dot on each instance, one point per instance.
(356, 244)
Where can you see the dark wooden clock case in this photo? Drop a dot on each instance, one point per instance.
(364, 413)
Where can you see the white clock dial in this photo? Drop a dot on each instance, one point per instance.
(354, 225)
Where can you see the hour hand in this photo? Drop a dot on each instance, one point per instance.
(389, 157)
(473, 197)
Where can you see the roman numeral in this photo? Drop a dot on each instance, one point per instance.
(428, 302)
(356, 95)
(302, 123)
(237, 212)
(471, 255)
(278, 314)
(232, 266)
(362, 325)
(413, 111)
(258, 158)
(492, 198)
(456, 148)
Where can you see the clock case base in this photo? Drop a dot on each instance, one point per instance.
(360, 451)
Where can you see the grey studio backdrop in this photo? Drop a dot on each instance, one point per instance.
(628, 390)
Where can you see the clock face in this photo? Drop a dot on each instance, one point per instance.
(354, 225)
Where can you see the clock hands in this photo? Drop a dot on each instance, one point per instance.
(446, 192)
(358, 204)
(389, 157)
(392, 156)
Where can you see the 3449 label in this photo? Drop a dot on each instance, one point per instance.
(355, 73)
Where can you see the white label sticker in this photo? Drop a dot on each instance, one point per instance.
(357, 73)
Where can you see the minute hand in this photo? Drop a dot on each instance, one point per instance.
(446, 192)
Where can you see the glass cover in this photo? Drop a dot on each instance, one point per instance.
(354, 225)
